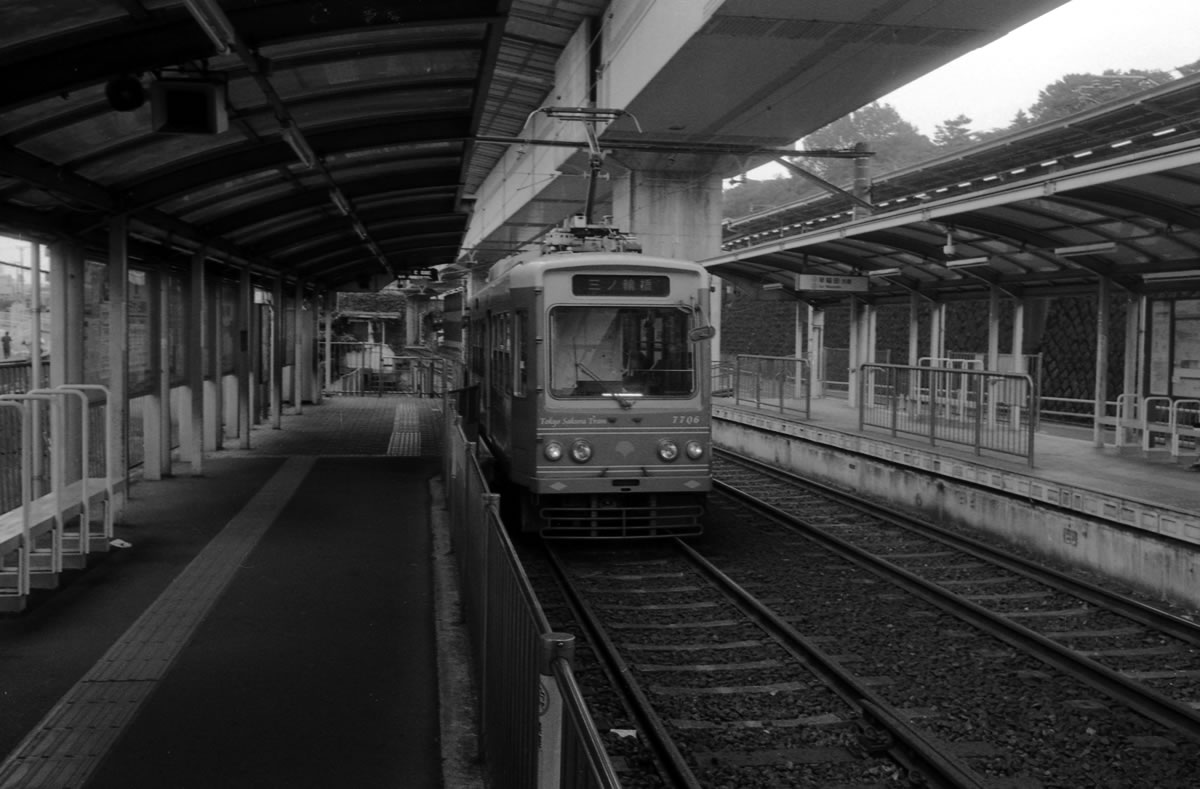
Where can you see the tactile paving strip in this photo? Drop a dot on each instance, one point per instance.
(415, 428)
(68, 744)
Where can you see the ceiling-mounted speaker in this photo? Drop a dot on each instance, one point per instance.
(125, 93)
(188, 106)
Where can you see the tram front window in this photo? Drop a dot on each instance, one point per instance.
(621, 352)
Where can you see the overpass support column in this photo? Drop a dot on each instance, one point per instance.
(675, 215)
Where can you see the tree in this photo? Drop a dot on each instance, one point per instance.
(1075, 93)
(751, 196)
(1020, 121)
(954, 133)
(895, 142)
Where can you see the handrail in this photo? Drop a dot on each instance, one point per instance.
(27, 498)
(94, 393)
(983, 409)
(505, 618)
(787, 381)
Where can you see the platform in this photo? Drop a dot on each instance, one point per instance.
(271, 623)
(1112, 511)
(1064, 457)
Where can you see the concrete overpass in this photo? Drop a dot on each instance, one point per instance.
(702, 90)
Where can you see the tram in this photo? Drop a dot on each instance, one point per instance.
(592, 362)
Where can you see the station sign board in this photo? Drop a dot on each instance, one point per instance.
(829, 282)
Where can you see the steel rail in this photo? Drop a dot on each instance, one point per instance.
(660, 741)
(1144, 614)
(908, 746)
(1133, 695)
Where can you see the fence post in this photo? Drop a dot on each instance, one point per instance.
(934, 384)
(893, 379)
(758, 383)
(980, 380)
(737, 380)
(554, 647)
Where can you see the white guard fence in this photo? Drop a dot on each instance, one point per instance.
(986, 410)
(57, 486)
(537, 732)
(375, 369)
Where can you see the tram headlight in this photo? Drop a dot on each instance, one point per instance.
(581, 451)
(668, 450)
(694, 450)
(553, 450)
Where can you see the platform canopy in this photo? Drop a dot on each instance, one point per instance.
(340, 142)
(1113, 192)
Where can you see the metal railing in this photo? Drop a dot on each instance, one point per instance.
(780, 383)
(536, 729)
(10, 452)
(982, 409)
(15, 375)
(376, 370)
(721, 376)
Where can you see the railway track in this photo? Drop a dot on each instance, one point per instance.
(1122, 679)
(853, 646)
(726, 693)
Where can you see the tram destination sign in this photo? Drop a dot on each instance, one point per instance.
(620, 285)
(829, 282)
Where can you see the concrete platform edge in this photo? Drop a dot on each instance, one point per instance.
(459, 701)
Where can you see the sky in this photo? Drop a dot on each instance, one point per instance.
(990, 84)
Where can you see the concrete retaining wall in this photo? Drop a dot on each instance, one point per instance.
(1152, 563)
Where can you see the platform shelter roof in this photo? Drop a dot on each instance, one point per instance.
(1113, 192)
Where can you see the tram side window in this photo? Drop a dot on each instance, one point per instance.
(520, 327)
(502, 352)
(478, 330)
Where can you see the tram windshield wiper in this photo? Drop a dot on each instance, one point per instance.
(620, 397)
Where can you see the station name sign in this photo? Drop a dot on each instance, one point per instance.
(827, 282)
